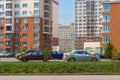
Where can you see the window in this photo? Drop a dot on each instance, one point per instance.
(16, 13)
(1, 6)
(8, 20)
(24, 5)
(106, 7)
(106, 18)
(24, 12)
(24, 35)
(8, 0)
(1, 35)
(24, 20)
(36, 4)
(36, 12)
(16, 43)
(8, 5)
(8, 28)
(36, 43)
(105, 39)
(36, 35)
(24, 28)
(1, 28)
(1, 0)
(106, 29)
(17, 6)
(46, 22)
(8, 43)
(46, 1)
(46, 7)
(1, 13)
(24, 43)
(46, 14)
(36, 20)
(1, 43)
(16, 35)
(36, 27)
(8, 35)
(16, 28)
(46, 29)
(16, 20)
(1, 20)
(8, 13)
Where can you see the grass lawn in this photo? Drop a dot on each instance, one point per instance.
(60, 67)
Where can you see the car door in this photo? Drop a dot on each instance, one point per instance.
(54, 54)
(77, 55)
(59, 55)
(28, 54)
(35, 55)
(86, 56)
(40, 55)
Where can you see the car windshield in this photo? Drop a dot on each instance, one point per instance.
(29, 51)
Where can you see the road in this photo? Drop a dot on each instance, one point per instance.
(8, 60)
(16, 60)
(59, 77)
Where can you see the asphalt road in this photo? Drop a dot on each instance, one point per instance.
(59, 77)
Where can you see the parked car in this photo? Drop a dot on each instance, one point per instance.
(31, 55)
(80, 55)
(4, 54)
(56, 55)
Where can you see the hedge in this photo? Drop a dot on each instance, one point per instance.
(60, 67)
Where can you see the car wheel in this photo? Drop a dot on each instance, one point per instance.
(25, 60)
(71, 59)
(94, 59)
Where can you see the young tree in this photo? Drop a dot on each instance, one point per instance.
(110, 51)
(114, 54)
(46, 54)
(21, 49)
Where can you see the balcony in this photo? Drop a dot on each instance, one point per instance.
(9, 31)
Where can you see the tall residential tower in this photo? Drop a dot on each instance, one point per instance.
(87, 21)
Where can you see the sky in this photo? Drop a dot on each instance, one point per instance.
(66, 12)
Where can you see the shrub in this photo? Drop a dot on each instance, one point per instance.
(21, 49)
(114, 53)
(46, 54)
(108, 51)
(60, 67)
(111, 52)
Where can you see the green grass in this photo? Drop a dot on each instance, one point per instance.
(60, 67)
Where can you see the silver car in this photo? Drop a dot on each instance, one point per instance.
(4, 54)
(80, 55)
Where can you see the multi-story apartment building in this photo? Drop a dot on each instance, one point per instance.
(111, 23)
(25, 23)
(55, 24)
(87, 21)
(66, 37)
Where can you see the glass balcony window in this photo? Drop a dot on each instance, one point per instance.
(105, 39)
(106, 8)
(106, 18)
